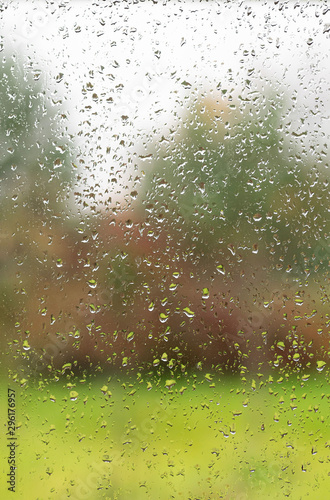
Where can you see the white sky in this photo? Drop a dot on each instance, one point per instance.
(115, 47)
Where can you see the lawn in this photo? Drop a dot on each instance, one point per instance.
(198, 438)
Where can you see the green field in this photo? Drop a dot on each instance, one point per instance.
(101, 438)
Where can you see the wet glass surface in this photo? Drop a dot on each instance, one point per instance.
(164, 250)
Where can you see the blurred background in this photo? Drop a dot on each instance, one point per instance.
(164, 252)
(164, 188)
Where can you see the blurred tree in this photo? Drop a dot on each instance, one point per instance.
(184, 278)
(35, 175)
(227, 194)
(228, 175)
(35, 145)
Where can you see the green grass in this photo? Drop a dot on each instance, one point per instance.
(221, 439)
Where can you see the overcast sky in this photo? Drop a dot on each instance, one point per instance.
(145, 60)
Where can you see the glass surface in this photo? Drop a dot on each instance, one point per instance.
(164, 252)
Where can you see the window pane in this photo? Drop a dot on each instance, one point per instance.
(165, 249)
